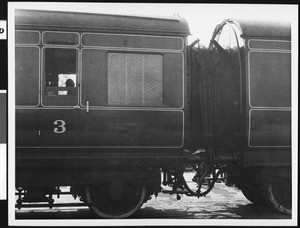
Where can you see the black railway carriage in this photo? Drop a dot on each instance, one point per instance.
(103, 102)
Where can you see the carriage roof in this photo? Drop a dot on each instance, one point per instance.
(264, 29)
(76, 21)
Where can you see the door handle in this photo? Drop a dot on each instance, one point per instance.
(87, 106)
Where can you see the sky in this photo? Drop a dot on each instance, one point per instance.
(202, 18)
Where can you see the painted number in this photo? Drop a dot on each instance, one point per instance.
(59, 126)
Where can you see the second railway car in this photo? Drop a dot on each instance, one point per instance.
(106, 103)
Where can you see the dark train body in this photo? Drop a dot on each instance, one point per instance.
(143, 101)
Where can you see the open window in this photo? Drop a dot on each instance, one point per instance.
(60, 77)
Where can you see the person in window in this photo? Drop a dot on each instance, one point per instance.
(70, 83)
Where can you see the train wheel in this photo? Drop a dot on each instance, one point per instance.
(253, 195)
(115, 200)
(279, 197)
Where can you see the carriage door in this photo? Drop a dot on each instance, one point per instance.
(269, 73)
(132, 91)
(59, 89)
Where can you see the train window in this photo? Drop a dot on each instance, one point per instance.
(27, 37)
(60, 38)
(135, 79)
(27, 76)
(270, 78)
(60, 71)
(60, 76)
(94, 77)
(269, 44)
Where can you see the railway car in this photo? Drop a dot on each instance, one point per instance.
(116, 106)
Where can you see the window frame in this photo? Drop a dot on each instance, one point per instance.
(59, 98)
(172, 98)
(29, 44)
(252, 102)
(60, 45)
(39, 76)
